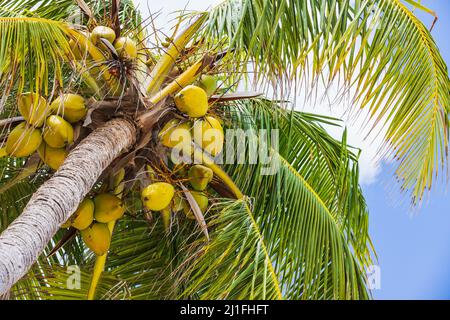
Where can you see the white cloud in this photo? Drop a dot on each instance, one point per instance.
(370, 159)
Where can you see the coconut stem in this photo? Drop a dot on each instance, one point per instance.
(167, 61)
(184, 79)
(100, 262)
(99, 267)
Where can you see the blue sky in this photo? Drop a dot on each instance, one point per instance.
(413, 247)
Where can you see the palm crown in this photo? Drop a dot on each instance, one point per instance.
(301, 233)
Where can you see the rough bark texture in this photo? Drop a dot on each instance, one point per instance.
(53, 203)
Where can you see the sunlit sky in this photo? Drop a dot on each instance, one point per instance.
(413, 247)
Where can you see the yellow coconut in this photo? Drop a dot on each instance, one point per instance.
(33, 108)
(199, 177)
(192, 100)
(23, 140)
(3, 152)
(97, 237)
(108, 207)
(70, 106)
(126, 48)
(53, 157)
(57, 132)
(208, 133)
(157, 196)
(83, 216)
(102, 32)
(174, 134)
(178, 203)
(202, 201)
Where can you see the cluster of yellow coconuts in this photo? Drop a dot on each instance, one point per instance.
(92, 217)
(205, 130)
(192, 102)
(162, 196)
(125, 47)
(47, 128)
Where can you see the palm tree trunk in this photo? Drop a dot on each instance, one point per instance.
(53, 203)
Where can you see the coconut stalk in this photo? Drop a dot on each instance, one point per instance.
(55, 201)
(187, 77)
(99, 266)
(167, 61)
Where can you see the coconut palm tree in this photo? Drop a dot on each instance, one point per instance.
(300, 232)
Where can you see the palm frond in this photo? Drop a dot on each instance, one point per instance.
(327, 165)
(143, 256)
(378, 48)
(313, 200)
(242, 262)
(13, 201)
(71, 282)
(235, 264)
(32, 54)
(68, 10)
(15, 189)
(51, 9)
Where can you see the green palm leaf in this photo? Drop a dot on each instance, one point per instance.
(377, 47)
(314, 249)
(32, 53)
(55, 10)
(15, 189)
(69, 9)
(143, 256)
(328, 166)
(309, 259)
(58, 282)
(235, 264)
